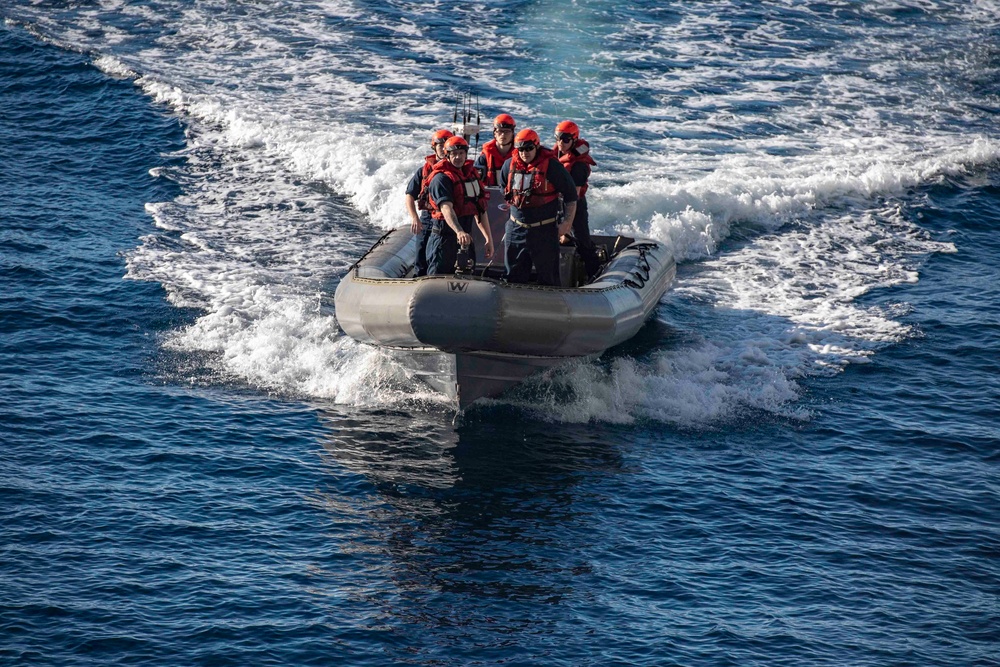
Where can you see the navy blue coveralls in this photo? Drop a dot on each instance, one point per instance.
(527, 241)
(413, 189)
(581, 223)
(442, 248)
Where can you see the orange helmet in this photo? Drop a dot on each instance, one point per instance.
(568, 127)
(440, 137)
(504, 120)
(526, 139)
(456, 144)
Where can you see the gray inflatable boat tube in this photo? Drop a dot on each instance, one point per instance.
(377, 303)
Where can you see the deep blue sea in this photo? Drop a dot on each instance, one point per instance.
(797, 462)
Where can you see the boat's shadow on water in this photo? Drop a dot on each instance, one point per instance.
(460, 517)
(390, 446)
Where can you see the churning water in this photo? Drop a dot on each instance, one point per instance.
(795, 463)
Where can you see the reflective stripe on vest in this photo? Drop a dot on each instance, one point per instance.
(472, 189)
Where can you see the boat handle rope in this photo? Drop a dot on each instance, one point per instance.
(357, 264)
(643, 267)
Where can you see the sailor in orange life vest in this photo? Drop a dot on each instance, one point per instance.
(574, 154)
(457, 200)
(496, 151)
(534, 179)
(421, 223)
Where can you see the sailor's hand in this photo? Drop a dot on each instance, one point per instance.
(564, 229)
(488, 249)
(464, 238)
(415, 226)
(565, 239)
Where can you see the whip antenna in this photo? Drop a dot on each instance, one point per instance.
(465, 127)
(478, 119)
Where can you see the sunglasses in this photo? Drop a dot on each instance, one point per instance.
(526, 146)
(503, 126)
(461, 149)
(565, 136)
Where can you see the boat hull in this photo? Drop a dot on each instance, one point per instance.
(467, 377)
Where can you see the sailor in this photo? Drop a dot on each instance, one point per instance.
(457, 200)
(421, 223)
(497, 150)
(574, 154)
(534, 179)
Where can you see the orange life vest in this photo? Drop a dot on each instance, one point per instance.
(580, 152)
(527, 185)
(429, 163)
(467, 193)
(494, 162)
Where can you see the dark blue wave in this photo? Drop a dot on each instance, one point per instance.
(146, 518)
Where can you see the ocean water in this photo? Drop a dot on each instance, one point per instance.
(795, 463)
